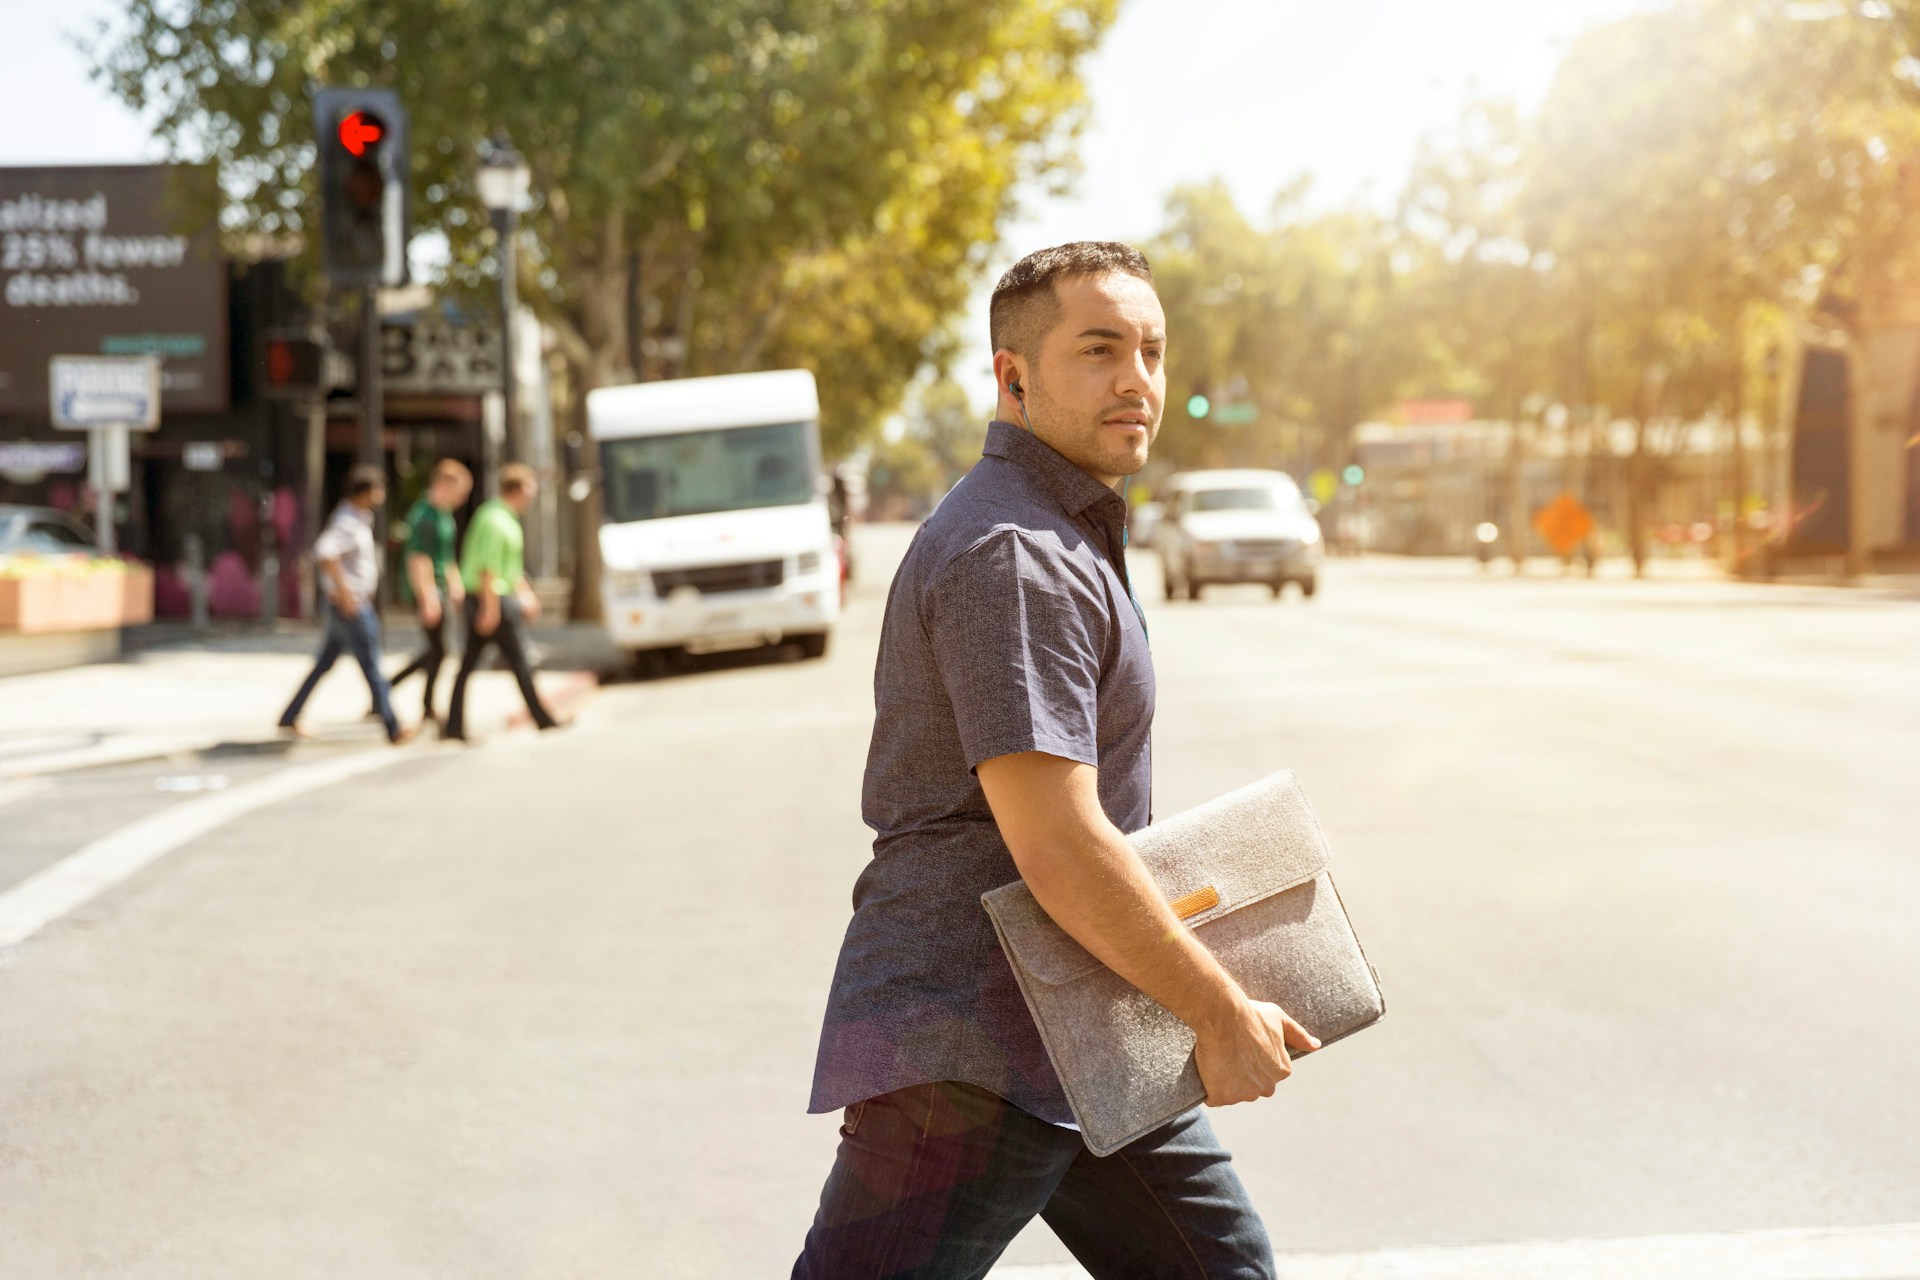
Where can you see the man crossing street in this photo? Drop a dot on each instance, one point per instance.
(435, 592)
(500, 602)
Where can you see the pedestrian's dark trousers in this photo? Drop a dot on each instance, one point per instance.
(358, 634)
(429, 659)
(934, 1181)
(511, 636)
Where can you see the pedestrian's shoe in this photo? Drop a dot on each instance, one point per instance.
(404, 736)
(457, 735)
(294, 731)
(562, 721)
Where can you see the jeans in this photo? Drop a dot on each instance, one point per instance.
(932, 1183)
(429, 659)
(359, 634)
(511, 636)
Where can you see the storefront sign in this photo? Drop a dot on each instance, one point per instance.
(431, 355)
(120, 260)
(29, 461)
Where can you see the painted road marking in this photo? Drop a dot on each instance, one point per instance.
(80, 877)
(1844, 1253)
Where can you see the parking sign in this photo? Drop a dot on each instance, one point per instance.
(105, 391)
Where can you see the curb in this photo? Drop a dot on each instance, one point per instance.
(567, 693)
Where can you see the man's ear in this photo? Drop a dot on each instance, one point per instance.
(1010, 373)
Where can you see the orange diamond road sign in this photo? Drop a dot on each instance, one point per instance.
(1564, 523)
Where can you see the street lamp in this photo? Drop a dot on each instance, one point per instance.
(503, 180)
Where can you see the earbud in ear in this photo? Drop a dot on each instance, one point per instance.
(1019, 392)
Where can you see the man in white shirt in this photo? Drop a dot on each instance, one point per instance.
(349, 563)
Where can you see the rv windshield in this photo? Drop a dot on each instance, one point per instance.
(732, 469)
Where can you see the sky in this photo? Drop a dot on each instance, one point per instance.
(1255, 92)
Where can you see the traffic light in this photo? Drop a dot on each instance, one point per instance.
(1198, 404)
(1354, 474)
(364, 192)
(293, 362)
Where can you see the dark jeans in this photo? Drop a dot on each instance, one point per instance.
(933, 1182)
(358, 634)
(511, 636)
(429, 660)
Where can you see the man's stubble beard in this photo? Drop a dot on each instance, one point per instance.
(1081, 444)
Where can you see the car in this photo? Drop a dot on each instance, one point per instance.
(42, 531)
(1237, 526)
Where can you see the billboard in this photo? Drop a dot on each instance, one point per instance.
(117, 260)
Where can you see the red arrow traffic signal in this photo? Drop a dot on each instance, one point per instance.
(358, 131)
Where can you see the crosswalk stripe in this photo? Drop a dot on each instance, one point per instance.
(1844, 1253)
(82, 876)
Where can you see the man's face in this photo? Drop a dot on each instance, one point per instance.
(447, 494)
(522, 500)
(373, 497)
(1096, 389)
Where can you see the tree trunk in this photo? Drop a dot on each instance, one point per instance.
(1637, 498)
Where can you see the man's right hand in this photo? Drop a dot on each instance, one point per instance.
(346, 602)
(430, 611)
(487, 620)
(1245, 1057)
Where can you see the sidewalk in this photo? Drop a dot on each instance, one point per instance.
(177, 695)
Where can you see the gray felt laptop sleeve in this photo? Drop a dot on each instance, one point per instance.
(1248, 874)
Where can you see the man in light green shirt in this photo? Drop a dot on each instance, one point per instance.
(500, 602)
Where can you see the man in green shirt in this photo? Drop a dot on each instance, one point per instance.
(500, 602)
(430, 550)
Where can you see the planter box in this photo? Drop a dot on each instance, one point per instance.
(53, 602)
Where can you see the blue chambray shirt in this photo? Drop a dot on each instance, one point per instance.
(1010, 627)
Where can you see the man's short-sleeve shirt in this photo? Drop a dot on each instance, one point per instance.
(495, 542)
(431, 533)
(1010, 627)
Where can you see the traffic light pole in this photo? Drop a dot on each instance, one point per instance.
(372, 423)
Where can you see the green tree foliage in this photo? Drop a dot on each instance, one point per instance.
(1299, 319)
(718, 186)
(1697, 174)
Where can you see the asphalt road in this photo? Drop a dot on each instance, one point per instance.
(1637, 863)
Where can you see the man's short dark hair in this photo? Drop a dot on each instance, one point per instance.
(515, 477)
(364, 479)
(1025, 304)
(452, 469)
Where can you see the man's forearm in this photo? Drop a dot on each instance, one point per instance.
(336, 575)
(1087, 877)
(1098, 890)
(420, 570)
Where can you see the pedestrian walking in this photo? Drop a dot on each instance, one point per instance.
(349, 567)
(1014, 698)
(500, 602)
(434, 593)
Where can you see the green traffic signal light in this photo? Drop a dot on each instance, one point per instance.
(1198, 406)
(1353, 475)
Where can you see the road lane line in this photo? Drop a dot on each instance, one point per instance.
(82, 876)
(1844, 1253)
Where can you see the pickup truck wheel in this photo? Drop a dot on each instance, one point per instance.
(813, 645)
(649, 664)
